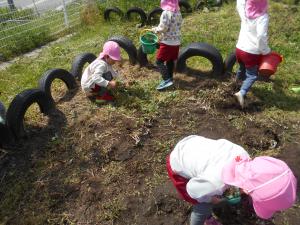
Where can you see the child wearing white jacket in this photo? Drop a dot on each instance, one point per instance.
(99, 75)
(252, 42)
(201, 169)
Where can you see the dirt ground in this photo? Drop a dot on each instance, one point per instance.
(106, 164)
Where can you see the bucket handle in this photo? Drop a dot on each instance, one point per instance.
(144, 31)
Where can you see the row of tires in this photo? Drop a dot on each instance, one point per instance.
(185, 7)
(12, 129)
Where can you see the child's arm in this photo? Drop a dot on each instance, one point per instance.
(262, 34)
(240, 6)
(97, 76)
(163, 24)
(203, 189)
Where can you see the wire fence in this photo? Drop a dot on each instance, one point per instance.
(25, 24)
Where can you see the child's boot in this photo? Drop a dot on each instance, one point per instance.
(106, 97)
(164, 84)
(240, 99)
(211, 221)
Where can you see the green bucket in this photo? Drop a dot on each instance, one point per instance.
(149, 41)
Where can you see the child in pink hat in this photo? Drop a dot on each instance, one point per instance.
(98, 77)
(201, 169)
(252, 42)
(170, 39)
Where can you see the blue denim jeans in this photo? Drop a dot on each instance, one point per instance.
(248, 75)
(200, 213)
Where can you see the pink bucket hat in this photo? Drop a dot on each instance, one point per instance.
(170, 5)
(256, 8)
(112, 49)
(269, 181)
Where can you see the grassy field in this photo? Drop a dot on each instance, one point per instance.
(217, 28)
(106, 165)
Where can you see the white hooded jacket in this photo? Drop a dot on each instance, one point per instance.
(253, 37)
(93, 75)
(201, 161)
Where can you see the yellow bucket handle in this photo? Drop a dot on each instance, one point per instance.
(144, 31)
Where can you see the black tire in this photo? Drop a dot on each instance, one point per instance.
(110, 10)
(218, 3)
(142, 57)
(128, 46)
(153, 13)
(5, 136)
(138, 11)
(185, 7)
(200, 5)
(203, 3)
(4, 132)
(48, 77)
(201, 49)
(2, 112)
(229, 63)
(79, 62)
(20, 104)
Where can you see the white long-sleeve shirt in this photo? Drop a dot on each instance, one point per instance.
(253, 37)
(169, 28)
(93, 75)
(201, 160)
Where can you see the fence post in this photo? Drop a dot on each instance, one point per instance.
(65, 13)
(36, 10)
(11, 5)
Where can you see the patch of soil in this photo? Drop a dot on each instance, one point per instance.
(106, 164)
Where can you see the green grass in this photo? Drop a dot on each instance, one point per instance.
(218, 28)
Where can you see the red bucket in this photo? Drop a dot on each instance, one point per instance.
(269, 63)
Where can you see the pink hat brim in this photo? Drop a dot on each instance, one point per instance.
(262, 212)
(102, 54)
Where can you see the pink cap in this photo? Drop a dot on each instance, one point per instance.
(256, 8)
(170, 5)
(112, 49)
(269, 181)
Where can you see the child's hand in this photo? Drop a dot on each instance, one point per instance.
(153, 29)
(112, 84)
(216, 200)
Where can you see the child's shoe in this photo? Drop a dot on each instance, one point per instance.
(211, 221)
(240, 99)
(106, 97)
(164, 84)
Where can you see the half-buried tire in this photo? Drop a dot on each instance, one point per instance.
(19, 105)
(229, 63)
(204, 50)
(47, 78)
(142, 57)
(139, 11)
(185, 7)
(79, 62)
(201, 4)
(5, 136)
(154, 13)
(128, 46)
(110, 10)
(2, 113)
(4, 132)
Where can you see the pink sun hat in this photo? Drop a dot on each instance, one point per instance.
(170, 5)
(112, 49)
(269, 181)
(256, 8)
